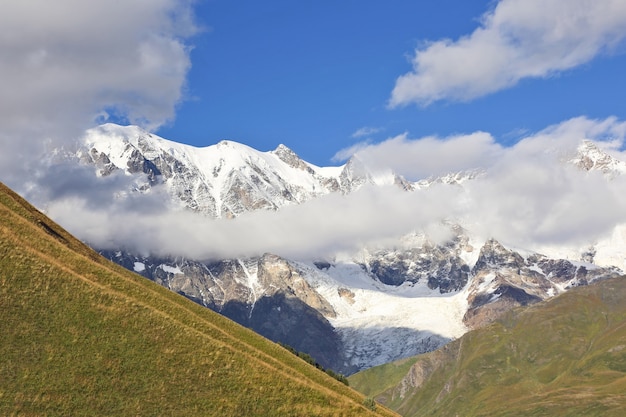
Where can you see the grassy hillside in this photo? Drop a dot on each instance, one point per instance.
(564, 357)
(82, 336)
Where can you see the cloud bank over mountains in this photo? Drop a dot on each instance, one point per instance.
(73, 63)
(527, 196)
(517, 39)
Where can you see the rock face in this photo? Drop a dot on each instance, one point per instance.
(591, 158)
(503, 279)
(278, 275)
(307, 308)
(351, 311)
(266, 294)
(440, 266)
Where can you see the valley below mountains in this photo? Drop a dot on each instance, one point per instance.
(564, 357)
(349, 307)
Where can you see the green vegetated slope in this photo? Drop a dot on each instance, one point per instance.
(81, 336)
(564, 357)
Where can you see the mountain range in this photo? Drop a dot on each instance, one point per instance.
(349, 307)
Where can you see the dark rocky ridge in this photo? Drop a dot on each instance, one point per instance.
(439, 265)
(513, 281)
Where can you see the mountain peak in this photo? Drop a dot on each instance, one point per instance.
(282, 148)
(284, 152)
(221, 180)
(291, 158)
(590, 157)
(127, 132)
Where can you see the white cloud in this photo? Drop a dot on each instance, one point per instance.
(527, 197)
(346, 153)
(366, 131)
(517, 39)
(430, 156)
(63, 63)
(530, 197)
(319, 227)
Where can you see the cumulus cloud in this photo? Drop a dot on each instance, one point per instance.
(68, 63)
(430, 156)
(531, 204)
(532, 197)
(529, 195)
(517, 39)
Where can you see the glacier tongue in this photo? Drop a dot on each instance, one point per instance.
(379, 323)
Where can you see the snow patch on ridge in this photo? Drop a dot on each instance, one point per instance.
(170, 269)
(139, 267)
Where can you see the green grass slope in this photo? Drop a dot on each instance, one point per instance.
(81, 336)
(564, 357)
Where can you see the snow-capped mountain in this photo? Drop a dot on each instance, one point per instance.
(222, 180)
(590, 157)
(350, 311)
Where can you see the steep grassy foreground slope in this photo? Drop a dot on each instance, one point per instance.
(564, 357)
(82, 336)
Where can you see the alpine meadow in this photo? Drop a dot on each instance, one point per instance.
(82, 336)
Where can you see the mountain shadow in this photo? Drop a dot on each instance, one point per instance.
(290, 321)
(377, 345)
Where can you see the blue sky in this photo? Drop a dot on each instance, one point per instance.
(312, 74)
(308, 74)
(509, 87)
